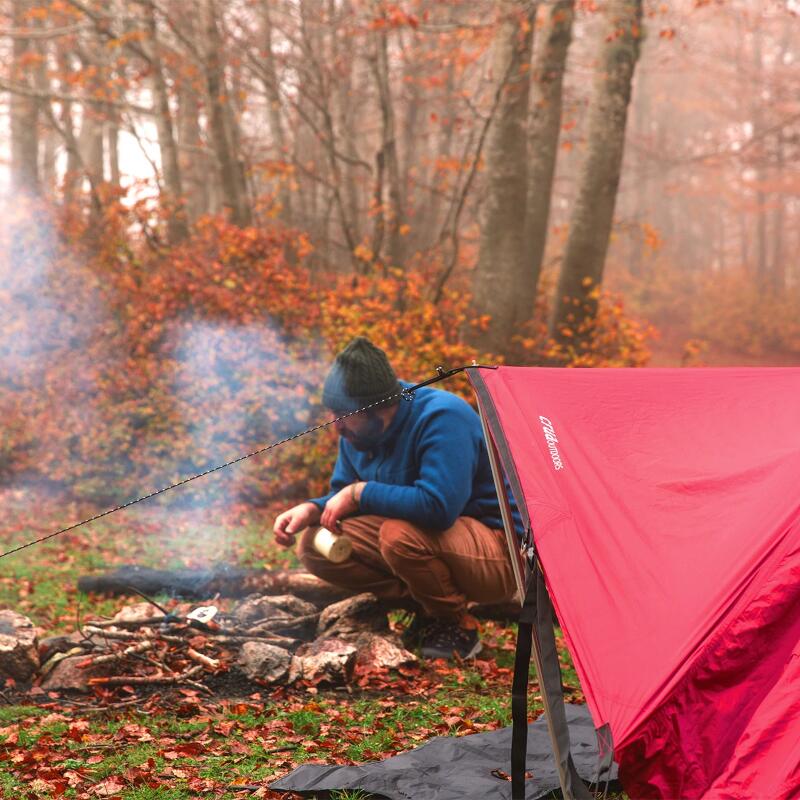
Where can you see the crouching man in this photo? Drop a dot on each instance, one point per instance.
(413, 489)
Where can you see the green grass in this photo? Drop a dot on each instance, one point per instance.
(249, 742)
(41, 581)
(9, 714)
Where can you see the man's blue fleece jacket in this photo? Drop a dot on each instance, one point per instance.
(430, 466)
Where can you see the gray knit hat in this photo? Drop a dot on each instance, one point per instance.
(360, 375)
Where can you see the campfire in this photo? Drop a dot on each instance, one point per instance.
(288, 627)
(266, 640)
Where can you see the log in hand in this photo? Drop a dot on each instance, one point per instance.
(291, 522)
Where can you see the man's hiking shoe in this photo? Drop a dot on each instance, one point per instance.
(415, 630)
(444, 639)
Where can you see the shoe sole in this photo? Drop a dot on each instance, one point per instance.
(452, 654)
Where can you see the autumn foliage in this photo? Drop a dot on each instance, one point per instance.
(133, 365)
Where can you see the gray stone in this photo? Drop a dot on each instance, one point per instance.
(324, 661)
(259, 606)
(264, 661)
(350, 618)
(67, 674)
(137, 613)
(19, 650)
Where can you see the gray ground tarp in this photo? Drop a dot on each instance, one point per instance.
(458, 768)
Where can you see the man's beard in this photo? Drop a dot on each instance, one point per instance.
(370, 437)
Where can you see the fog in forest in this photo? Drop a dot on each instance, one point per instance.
(203, 201)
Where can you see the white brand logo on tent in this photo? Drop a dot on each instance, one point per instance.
(552, 442)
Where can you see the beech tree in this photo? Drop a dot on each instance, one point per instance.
(502, 263)
(547, 79)
(222, 122)
(423, 138)
(167, 140)
(24, 109)
(387, 160)
(575, 304)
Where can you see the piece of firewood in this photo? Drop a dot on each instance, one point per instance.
(122, 680)
(211, 663)
(235, 582)
(140, 647)
(91, 630)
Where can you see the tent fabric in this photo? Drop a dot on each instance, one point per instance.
(459, 767)
(665, 513)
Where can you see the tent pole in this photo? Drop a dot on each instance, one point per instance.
(536, 634)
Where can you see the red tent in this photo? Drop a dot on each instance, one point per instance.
(663, 509)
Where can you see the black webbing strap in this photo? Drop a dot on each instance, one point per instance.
(536, 637)
(536, 634)
(519, 694)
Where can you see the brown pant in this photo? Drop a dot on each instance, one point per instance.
(441, 570)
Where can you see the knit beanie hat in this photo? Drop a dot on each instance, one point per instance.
(360, 376)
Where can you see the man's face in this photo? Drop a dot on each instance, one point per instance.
(362, 430)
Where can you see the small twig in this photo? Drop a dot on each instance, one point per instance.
(270, 638)
(87, 709)
(78, 612)
(149, 599)
(201, 686)
(110, 623)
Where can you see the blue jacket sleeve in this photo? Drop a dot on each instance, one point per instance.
(343, 475)
(447, 456)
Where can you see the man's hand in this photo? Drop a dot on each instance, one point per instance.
(293, 521)
(343, 504)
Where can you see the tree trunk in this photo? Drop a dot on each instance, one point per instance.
(414, 105)
(172, 185)
(387, 157)
(778, 269)
(232, 179)
(593, 212)
(502, 261)
(762, 279)
(193, 157)
(49, 138)
(90, 145)
(274, 105)
(317, 91)
(346, 114)
(24, 112)
(640, 178)
(112, 147)
(444, 145)
(545, 124)
(90, 136)
(72, 175)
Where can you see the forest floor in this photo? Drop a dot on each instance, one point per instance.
(179, 743)
(671, 346)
